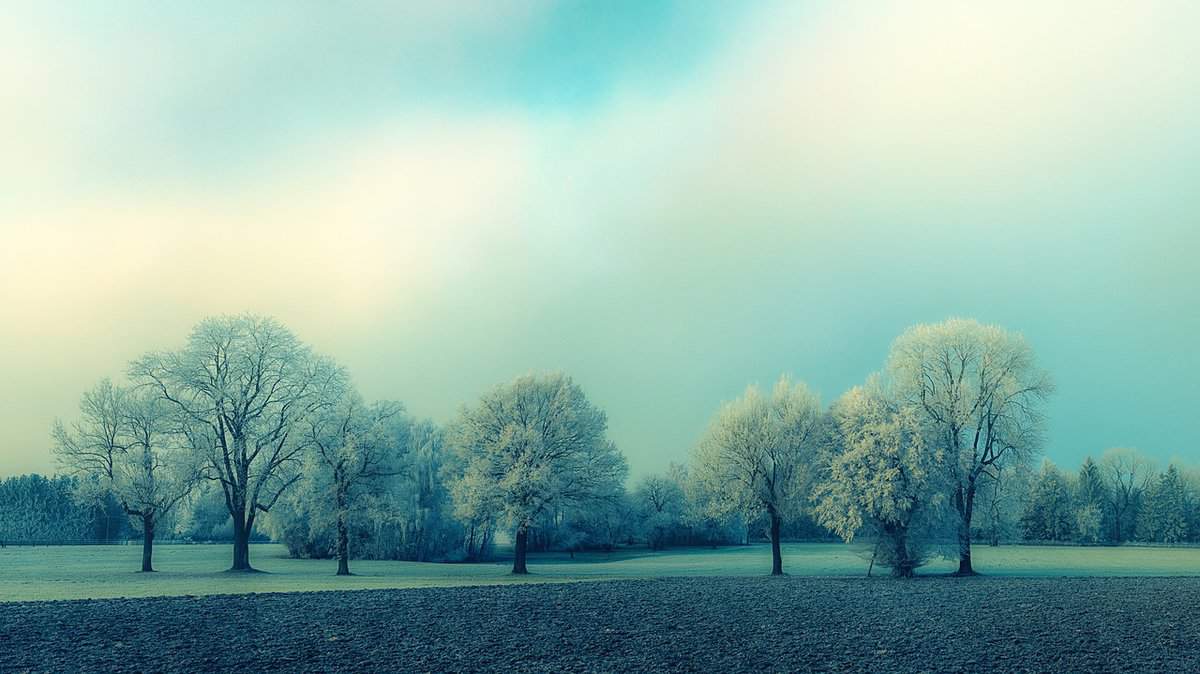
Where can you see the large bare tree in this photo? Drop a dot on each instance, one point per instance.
(532, 446)
(241, 387)
(981, 389)
(125, 443)
(757, 455)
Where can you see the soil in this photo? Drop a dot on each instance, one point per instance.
(672, 624)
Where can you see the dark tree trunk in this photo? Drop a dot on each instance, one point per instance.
(343, 536)
(148, 542)
(241, 543)
(522, 545)
(966, 503)
(483, 544)
(776, 553)
(903, 564)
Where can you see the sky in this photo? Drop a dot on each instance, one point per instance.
(668, 201)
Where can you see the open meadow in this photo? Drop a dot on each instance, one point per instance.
(97, 572)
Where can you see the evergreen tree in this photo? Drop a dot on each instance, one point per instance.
(1091, 494)
(1164, 514)
(1049, 512)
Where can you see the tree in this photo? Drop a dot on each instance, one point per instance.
(1191, 480)
(1091, 498)
(1049, 511)
(707, 520)
(533, 446)
(399, 512)
(125, 444)
(1000, 500)
(41, 510)
(884, 475)
(980, 388)
(660, 500)
(1164, 514)
(1126, 475)
(355, 443)
(239, 389)
(757, 454)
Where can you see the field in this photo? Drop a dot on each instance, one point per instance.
(110, 571)
(721, 624)
(1035, 609)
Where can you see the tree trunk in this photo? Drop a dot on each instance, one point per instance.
(147, 542)
(343, 536)
(522, 544)
(776, 553)
(483, 545)
(965, 503)
(241, 543)
(904, 564)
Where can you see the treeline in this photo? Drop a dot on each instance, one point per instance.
(244, 430)
(1118, 499)
(38, 510)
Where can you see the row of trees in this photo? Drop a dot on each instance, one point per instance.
(246, 407)
(920, 458)
(1119, 498)
(42, 510)
(901, 459)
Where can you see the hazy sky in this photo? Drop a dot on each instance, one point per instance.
(667, 201)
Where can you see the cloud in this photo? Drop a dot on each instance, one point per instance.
(826, 176)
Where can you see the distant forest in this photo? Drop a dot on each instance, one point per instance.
(1118, 499)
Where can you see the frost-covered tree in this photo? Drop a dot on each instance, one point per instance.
(981, 390)
(45, 510)
(1127, 473)
(1163, 517)
(1191, 480)
(1049, 509)
(532, 447)
(355, 443)
(610, 522)
(757, 455)
(661, 502)
(1000, 501)
(884, 476)
(707, 522)
(1090, 502)
(477, 506)
(126, 444)
(401, 511)
(240, 389)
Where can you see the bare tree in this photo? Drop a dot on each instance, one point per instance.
(1126, 473)
(661, 502)
(981, 389)
(240, 387)
(125, 444)
(756, 455)
(533, 446)
(355, 443)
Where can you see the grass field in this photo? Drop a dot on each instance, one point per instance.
(93, 572)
